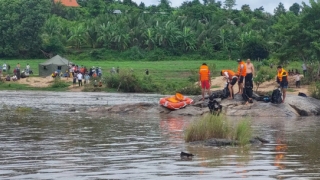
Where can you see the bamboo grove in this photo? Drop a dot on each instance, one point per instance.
(209, 29)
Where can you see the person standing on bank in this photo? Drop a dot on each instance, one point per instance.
(250, 73)
(205, 80)
(79, 76)
(282, 80)
(242, 72)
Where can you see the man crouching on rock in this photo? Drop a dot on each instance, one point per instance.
(231, 80)
(205, 81)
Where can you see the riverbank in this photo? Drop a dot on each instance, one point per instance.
(40, 83)
(171, 75)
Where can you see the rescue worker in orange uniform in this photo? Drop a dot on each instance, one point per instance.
(205, 80)
(242, 72)
(231, 80)
(282, 80)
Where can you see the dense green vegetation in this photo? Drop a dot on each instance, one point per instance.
(195, 30)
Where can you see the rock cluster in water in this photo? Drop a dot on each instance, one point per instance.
(293, 107)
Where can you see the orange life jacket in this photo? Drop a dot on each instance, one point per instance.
(204, 73)
(283, 76)
(244, 70)
(231, 74)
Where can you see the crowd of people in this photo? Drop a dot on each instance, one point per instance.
(17, 73)
(244, 78)
(81, 73)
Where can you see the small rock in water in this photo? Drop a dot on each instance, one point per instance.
(183, 154)
(73, 109)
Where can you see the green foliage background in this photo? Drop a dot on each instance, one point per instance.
(195, 30)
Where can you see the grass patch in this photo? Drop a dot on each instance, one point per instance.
(211, 126)
(23, 109)
(291, 90)
(59, 84)
(15, 86)
(243, 132)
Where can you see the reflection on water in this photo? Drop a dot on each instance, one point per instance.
(75, 146)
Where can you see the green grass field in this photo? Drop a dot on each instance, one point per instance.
(175, 71)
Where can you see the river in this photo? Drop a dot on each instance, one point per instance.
(49, 142)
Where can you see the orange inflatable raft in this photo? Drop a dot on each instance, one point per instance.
(175, 102)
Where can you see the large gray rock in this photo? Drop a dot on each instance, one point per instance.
(304, 106)
(294, 106)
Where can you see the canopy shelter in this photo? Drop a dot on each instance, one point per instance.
(56, 63)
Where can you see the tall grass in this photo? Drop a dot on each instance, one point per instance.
(211, 126)
(243, 132)
(207, 127)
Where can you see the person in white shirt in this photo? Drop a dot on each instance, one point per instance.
(4, 67)
(79, 76)
(27, 68)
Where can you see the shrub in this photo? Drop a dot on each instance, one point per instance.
(263, 75)
(311, 76)
(127, 81)
(134, 53)
(96, 54)
(194, 76)
(156, 55)
(191, 89)
(57, 83)
(314, 90)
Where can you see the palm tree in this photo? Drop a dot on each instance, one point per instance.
(77, 37)
(187, 38)
(149, 36)
(91, 33)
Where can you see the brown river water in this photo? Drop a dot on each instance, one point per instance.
(52, 143)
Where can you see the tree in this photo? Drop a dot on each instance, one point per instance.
(291, 35)
(164, 6)
(96, 7)
(229, 4)
(246, 8)
(310, 29)
(142, 5)
(21, 26)
(77, 37)
(207, 2)
(278, 11)
(255, 49)
(295, 8)
(129, 3)
(187, 39)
